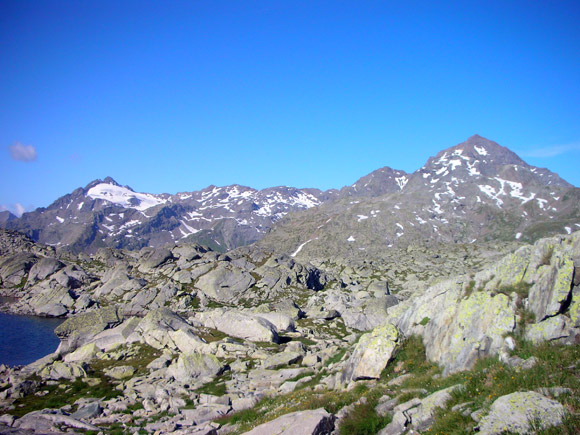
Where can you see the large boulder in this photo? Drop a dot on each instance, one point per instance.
(78, 330)
(225, 282)
(14, 269)
(456, 328)
(153, 258)
(552, 287)
(372, 354)
(515, 412)
(314, 422)
(550, 329)
(239, 324)
(370, 314)
(156, 326)
(45, 267)
(190, 366)
(117, 281)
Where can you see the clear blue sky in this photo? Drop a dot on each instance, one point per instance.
(169, 96)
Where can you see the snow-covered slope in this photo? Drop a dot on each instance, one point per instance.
(123, 196)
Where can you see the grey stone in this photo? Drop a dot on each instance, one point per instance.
(88, 411)
(239, 324)
(281, 359)
(194, 365)
(515, 411)
(44, 268)
(371, 354)
(553, 328)
(315, 422)
(225, 282)
(120, 372)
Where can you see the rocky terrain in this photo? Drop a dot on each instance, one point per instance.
(474, 192)
(188, 340)
(443, 301)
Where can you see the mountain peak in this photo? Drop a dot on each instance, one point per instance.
(107, 180)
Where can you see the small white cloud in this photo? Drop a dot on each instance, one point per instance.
(19, 209)
(23, 153)
(16, 209)
(551, 151)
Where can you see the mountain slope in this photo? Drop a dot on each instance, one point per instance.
(105, 213)
(474, 191)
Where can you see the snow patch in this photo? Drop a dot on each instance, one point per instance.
(362, 217)
(61, 220)
(568, 230)
(480, 150)
(402, 181)
(518, 235)
(124, 197)
(350, 239)
(301, 246)
(80, 205)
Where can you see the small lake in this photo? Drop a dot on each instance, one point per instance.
(24, 339)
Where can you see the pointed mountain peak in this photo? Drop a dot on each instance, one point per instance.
(479, 149)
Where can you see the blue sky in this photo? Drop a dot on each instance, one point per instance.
(175, 96)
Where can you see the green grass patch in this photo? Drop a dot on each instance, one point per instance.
(336, 357)
(68, 392)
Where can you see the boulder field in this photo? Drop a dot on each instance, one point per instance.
(186, 340)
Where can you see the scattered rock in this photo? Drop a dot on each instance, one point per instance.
(316, 422)
(514, 413)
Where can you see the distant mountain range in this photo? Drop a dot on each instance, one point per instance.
(475, 191)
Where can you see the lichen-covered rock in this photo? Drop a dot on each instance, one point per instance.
(153, 258)
(190, 366)
(315, 422)
(371, 354)
(372, 313)
(120, 372)
(63, 370)
(239, 324)
(79, 330)
(552, 287)
(14, 268)
(457, 330)
(83, 354)
(225, 282)
(574, 310)
(45, 267)
(154, 328)
(553, 328)
(281, 359)
(514, 413)
(93, 321)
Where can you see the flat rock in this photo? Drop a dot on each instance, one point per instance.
(239, 324)
(315, 422)
(514, 412)
(281, 359)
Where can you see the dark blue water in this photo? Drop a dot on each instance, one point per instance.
(24, 339)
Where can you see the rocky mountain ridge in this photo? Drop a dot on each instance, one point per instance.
(475, 191)
(105, 213)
